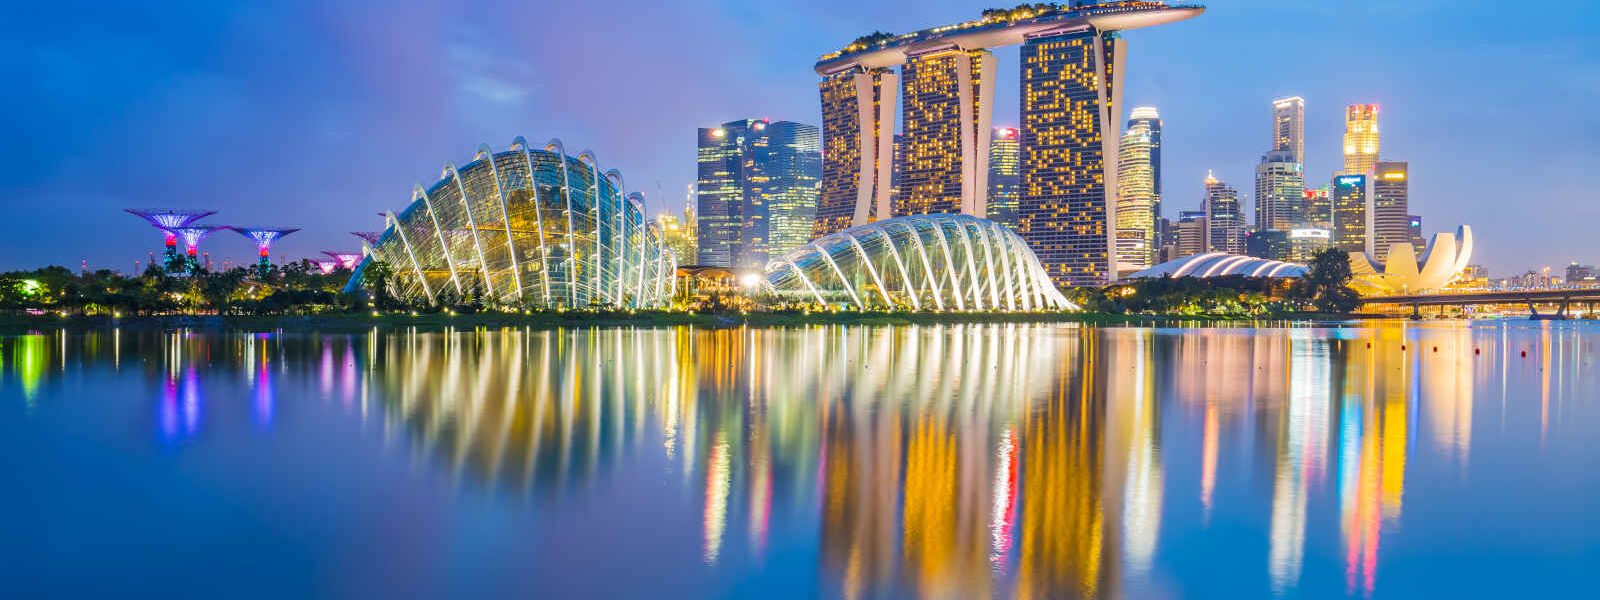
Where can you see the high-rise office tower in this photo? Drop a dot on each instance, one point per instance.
(1071, 101)
(1193, 233)
(1005, 161)
(1417, 241)
(1351, 198)
(747, 170)
(794, 165)
(1289, 128)
(858, 106)
(1136, 200)
(948, 96)
(1316, 209)
(1391, 216)
(1280, 191)
(1360, 138)
(1148, 117)
(1225, 217)
(898, 155)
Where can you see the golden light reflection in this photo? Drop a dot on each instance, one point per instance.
(1003, 460)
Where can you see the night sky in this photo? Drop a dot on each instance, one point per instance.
(320, 114)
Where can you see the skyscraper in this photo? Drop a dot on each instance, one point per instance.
(1151, 120)
(1360, 138)
(1391, 217)
(947, 95)
(1071, 99)
(757, 180)
(1417, 241)
(1005, 161)
(1316, 209)
(1193, 232)
(858, 106)
(1224, 216)
(795, 165)
(1136, 200)
(1289, 128)
(1280, 191)
(1351, 198)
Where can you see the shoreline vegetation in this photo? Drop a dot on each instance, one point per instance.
(300, 297)
(363, 322)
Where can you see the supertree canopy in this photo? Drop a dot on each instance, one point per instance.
(168, 220)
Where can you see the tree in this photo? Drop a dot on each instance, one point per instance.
(1327, 284)
(376, 279)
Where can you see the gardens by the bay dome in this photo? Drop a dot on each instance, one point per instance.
(918, 262)
(526, 227)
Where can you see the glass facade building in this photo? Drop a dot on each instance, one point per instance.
(1280, 191)
(1289, 128)
(919, 262)
(1005, 161)
(757, 191)
(1351, 199)
(530, 227)
(1136, 199)
(1225, 217)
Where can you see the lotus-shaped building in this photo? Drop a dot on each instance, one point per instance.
(1446, 257)
(918, 262)
(527, 227)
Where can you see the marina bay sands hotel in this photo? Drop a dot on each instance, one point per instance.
(1072, 74)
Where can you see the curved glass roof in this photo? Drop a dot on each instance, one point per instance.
(530, 227)
(918, 262)
(1218, 264)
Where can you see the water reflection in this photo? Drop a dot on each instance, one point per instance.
(944, 461)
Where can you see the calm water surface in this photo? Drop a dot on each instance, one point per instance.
(1013, 461)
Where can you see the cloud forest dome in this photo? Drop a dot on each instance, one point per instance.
(920, 262)
(529, 227)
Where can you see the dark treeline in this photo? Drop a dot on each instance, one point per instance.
(294, 288)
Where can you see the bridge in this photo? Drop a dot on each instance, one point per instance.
(1560, 299)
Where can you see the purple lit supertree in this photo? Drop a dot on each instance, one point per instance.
(370, 237)
(192, 234)
(344, 259)
(264, 237)
(168, 220)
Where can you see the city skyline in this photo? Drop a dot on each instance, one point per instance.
(351, 148)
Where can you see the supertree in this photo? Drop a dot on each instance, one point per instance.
(264, 237)
(168, 220)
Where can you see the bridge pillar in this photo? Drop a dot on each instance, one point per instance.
(1416, 312)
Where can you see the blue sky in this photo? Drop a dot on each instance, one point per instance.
(320, 114)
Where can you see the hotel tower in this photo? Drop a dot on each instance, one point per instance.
(1069, 139)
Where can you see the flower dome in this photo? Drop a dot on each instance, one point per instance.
(530, 227)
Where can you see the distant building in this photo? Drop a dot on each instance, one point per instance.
(1289, 128)
(680, 234)
(1360, 138)
(1224, 216)
(1005, 182)
(1148, 117)
(1271, 244)
(1136, 200)
(1316, 208)
(754, 175)
(1352, 221)
(794, 168)
(1391, 219)
(1192, 233)
(1305, 243)
(1414, 223)
(1582, 275)
(1280, 191)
